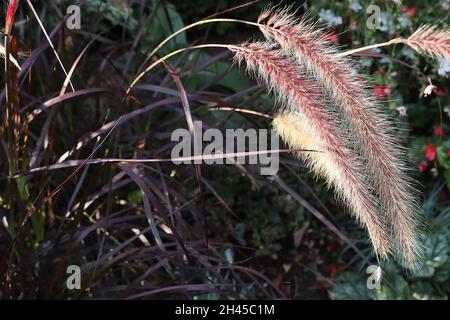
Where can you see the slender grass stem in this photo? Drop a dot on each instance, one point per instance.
(195, 24)
(373, 46)
(216, 20)
(172, 36)
(171, 54)
(33, 10)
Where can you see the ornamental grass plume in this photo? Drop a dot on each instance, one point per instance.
(429, 40)
(372, 132)
(296, 131)
(335, 161)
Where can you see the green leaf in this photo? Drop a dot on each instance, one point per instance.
(135, 197)
(442, 273)
(436, 255)
(160, 29)
(442, 157)
(351, 287)
(422, 290)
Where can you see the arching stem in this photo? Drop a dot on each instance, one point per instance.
(373, 46)
(171, 54)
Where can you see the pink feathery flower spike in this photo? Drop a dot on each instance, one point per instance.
(373, 133)
(429, 40)
(299, 96)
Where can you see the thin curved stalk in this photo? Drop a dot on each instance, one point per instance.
(195, 24)
(171, 54)
(172, 36)
(373, 46)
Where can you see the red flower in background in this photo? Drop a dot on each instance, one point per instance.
(409, 10)
(440, 93)
(333, 270)
(331, 246)
(439, 131)
(430, 152)
(381, 91)
(423, 166)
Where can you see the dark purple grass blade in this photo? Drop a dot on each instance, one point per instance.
(200, 288)
(66, 97)
(75, 163)
(147, 195)
(247, 4)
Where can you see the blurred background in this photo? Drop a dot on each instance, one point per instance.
(162, 231)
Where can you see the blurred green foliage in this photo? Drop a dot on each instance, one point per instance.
(431, 281)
